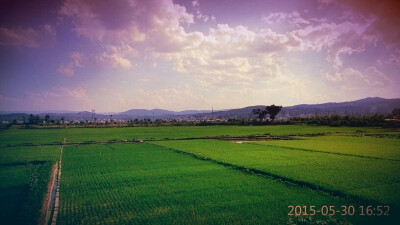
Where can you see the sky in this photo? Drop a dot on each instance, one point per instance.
(116, 55)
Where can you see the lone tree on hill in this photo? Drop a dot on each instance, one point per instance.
(260, 113)
(273, 110)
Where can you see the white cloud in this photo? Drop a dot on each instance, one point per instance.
(27, 37)
(394, 58)
(122, 21)
(199, 14)
(78, 93)
(371, 77)
(115, 60)
(384, 16)
(68, 69)
(117, 56)
(195, 3)
(225, 56)
(292, 18)
(121, 25)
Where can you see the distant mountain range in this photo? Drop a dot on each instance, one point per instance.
(157, 113)
(365, 106)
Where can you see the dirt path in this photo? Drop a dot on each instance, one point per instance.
(51, 199)
(46, 209)
(57, 195)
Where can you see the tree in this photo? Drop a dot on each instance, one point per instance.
(47, 119)
(31, 119)
(396, 112)
(34, 119)
(273, 110)
(260, 113)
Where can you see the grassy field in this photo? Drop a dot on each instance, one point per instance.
(48, 136)
(24, 174)
(200, 181)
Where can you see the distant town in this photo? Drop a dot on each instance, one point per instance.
(369, 111)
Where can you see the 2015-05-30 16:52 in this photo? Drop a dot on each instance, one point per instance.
(325, 210)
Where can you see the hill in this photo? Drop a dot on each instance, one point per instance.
(365, 106)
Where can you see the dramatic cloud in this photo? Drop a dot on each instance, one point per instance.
(122, 21)
(126, 24)
(229, 57)
(252, 53)
(225, 54)
(385, 16)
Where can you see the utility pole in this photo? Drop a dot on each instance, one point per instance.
(212, 112)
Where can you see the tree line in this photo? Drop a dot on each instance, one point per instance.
(260, 118)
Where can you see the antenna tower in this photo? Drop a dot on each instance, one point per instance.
(93, 114)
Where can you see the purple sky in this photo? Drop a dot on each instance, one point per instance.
(115, 55)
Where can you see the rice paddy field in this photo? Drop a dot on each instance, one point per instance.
(24, 174)
(204, 175)
(82, 135)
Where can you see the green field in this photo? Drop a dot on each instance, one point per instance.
(372, 179)
(24, 174)
(146, 184)
(384, 148)
(48, 136)
(200, 181)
